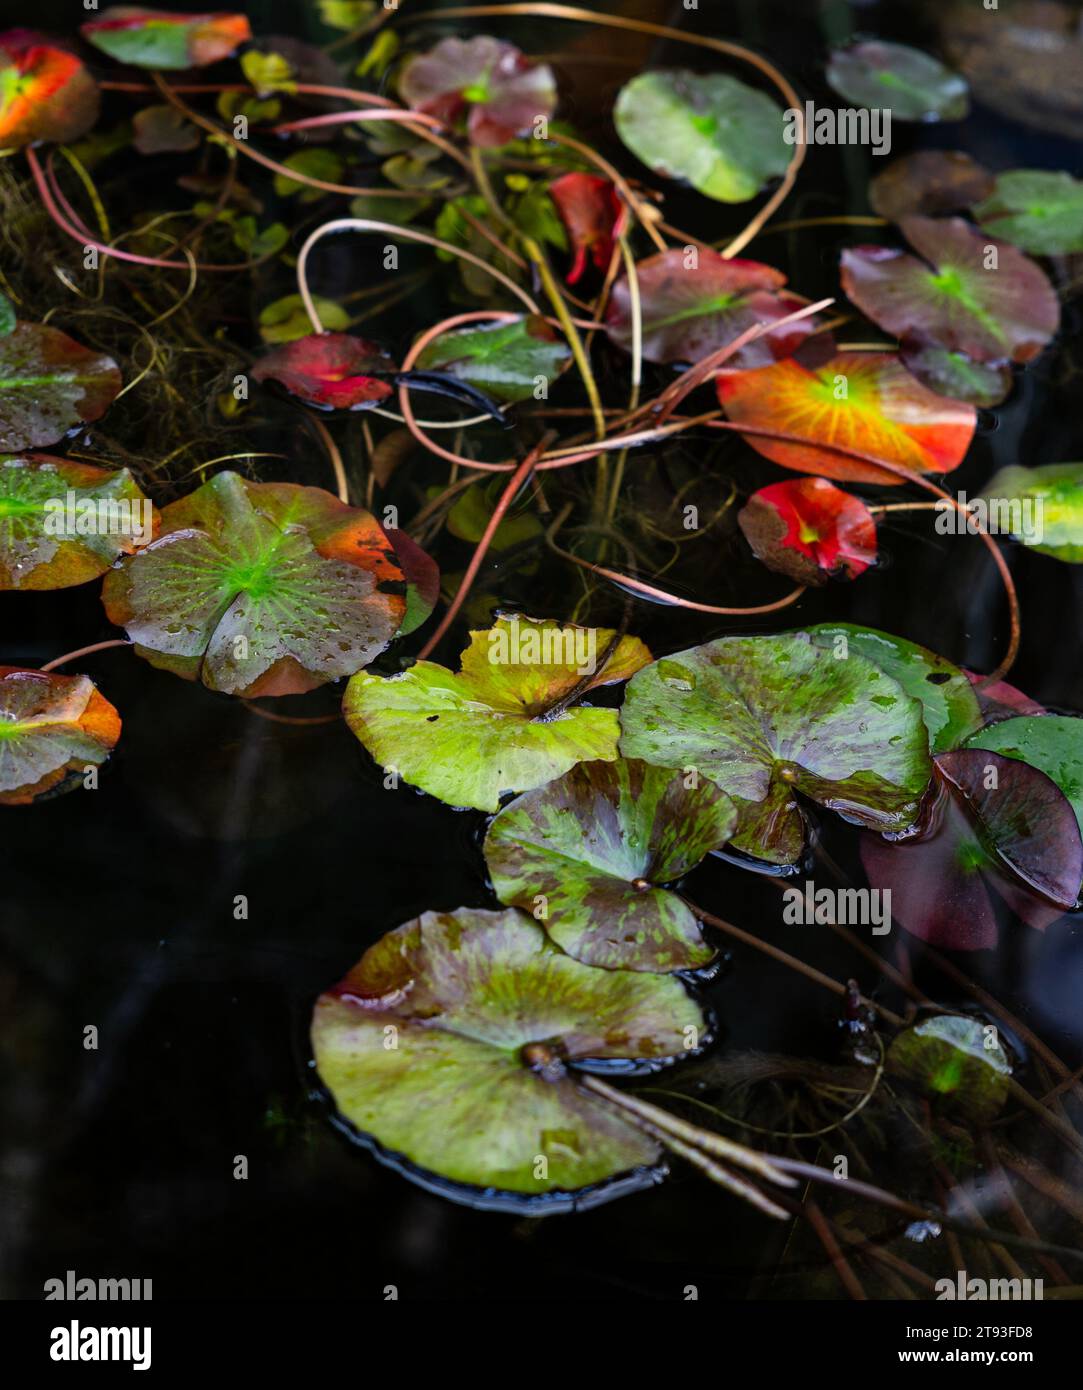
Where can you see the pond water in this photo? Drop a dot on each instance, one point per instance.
(118, 905)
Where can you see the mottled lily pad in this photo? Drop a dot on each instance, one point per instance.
(330, 370)
(969, 293)
(954, 374)
(49, 383)
(768, 717)
(864, 401)
(954, 1059)
(913, 85)
(998, 829)
(260, 588)
(452, 1045)
(1038, 210)
(689, 310)
(1053, 743)
(929, 184)
(470, 737)
(593, 216)
(64, 523)
(1052, 496)
(724, 138)
(500, 89)
(949, 705)
(586, 855)
(45, 93)
(508, 360)
(52, 729)
(809, 529)
(164, 38)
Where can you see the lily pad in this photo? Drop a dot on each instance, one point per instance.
(1037, 210)
(913, 85)
(452, 1045)
(470, 737)
(164, 38)
(163, 130)
(52, 728)
(503, 92)
(724, 138)
(422, 579)
(998, 829)
(49, 383)
(1053, 743)
(809, 529)
(954, 374)
(260, 588)
(588, 853)
(689, 311)
(505, 360)
(929, 184)
(45, 93)
(968, 293)
(286, 319)
(767, 717)
(864, 401)
(955, 1059)
(64, 523)
(593, 216)
(331, 370)
(1054, 488)
(949, 706)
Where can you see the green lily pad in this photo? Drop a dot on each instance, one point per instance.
(286, 319)
(913, 85)
(587, 853)
(1057, 488)
(52, 728)
(452, 1044)
(505, 360)
(721, 136)
(955, 375)
(468, 738)
(949, 706)
(956, 295)
(766, 717)
(1053, 743)
(49, 383)
(64, 523)
(473, 511)
(956, 1059)
(164, 38)
(260, 588)
(1037, 210)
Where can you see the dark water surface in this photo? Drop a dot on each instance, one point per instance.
(117, 904)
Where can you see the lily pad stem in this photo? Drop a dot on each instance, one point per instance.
(85, 651)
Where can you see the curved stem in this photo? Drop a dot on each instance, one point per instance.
(334, 453)
(85, 651)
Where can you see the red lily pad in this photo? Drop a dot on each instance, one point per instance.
(49, 383)
(929, 184)
(45, 93)
(330, 370)
(260, 588)
(1001, 700)
(593, 216)
(64, 523)
(422, 579)
(164, 38)
(502, 90)
(968, 292)
(998, 829)
(692, 309)
(863, 401)
(52, 728)
(809, 529)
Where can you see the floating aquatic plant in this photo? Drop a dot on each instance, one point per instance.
(53, 730)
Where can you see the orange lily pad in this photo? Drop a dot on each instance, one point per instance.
(45, 93)
(52, 727)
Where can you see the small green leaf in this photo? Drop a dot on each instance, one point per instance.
(285, 320)
(268, 72)
(724, 138)
(505, 360)
(587, 856)
(954, 1059)
(470, 737)
(316, 163)
(1041, 507)
(7, 316)
(488, 1022)
(1037, 210)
